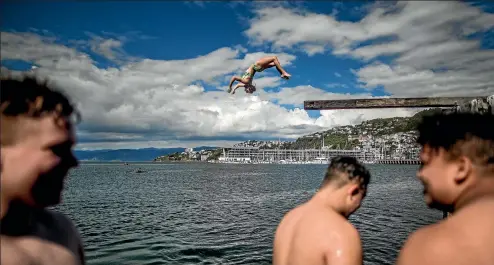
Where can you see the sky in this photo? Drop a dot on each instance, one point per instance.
(155, 74)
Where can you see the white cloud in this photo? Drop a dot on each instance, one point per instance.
(297, 95)
(161, 102)
(312, 50)
(108, 48)
(34, 45)
(356, 116)
(337, 74)
(153, 144)
(432, 54)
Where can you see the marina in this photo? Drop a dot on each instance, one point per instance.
(255, 155)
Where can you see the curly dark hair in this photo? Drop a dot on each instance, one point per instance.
(29, 97)
(344, 169)
(460, 134)
(249, 88)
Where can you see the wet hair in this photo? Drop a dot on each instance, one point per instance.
(460, 134)
(250, 88)
(345, 169)
(31, 98)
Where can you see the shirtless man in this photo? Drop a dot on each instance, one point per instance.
(318, 232)
(457, 173)
(36, 141)
(259, 66)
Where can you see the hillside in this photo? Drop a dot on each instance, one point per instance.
(391, 132)
(347, 137)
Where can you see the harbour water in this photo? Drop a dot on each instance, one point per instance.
(203, 213)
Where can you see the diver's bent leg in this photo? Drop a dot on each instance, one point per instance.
(268, 62)
(280, 69)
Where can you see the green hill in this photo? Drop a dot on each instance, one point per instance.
(338, 137)
(342, 137)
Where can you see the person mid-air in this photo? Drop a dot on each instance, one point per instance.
(259, 66)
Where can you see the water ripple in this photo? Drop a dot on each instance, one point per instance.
(191, 213)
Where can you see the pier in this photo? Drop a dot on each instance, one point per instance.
(399, 161)
(313, 156)
(481, 104)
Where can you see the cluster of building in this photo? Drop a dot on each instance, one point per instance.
(370, 143)
(260, 144)
(393, 148)
(188, 154)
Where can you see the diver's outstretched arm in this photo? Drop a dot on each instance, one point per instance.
(234, 78)
(237, 86)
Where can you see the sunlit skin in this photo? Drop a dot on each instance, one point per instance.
(318, 232)
(48, 142)
(467, 236)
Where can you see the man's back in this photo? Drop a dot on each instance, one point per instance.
(318, 231)
(310, 234)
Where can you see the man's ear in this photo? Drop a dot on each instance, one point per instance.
(464, 169)
(353, 190)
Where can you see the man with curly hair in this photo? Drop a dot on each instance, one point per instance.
(457, 174)
(318, 232)
(37, 137)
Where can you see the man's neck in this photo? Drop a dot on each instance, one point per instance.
(328, 198)
(484, 189)
(17, 219)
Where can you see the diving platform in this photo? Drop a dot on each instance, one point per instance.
(480, 104)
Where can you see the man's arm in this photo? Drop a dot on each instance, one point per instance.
(347, 249)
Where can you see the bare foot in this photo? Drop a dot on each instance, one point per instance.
(286, 76)
(229, 90)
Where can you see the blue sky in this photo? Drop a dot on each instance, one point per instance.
(146, 42)
(178, 31)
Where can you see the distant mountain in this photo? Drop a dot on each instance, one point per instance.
(142, 154)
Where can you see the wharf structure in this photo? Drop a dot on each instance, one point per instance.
(312, 156)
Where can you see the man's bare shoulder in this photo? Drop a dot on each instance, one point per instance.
(335, 232)
(453, 240)
(290, 218)
(429, 245)
(62, 231)
(60, 222)
(342, 243)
